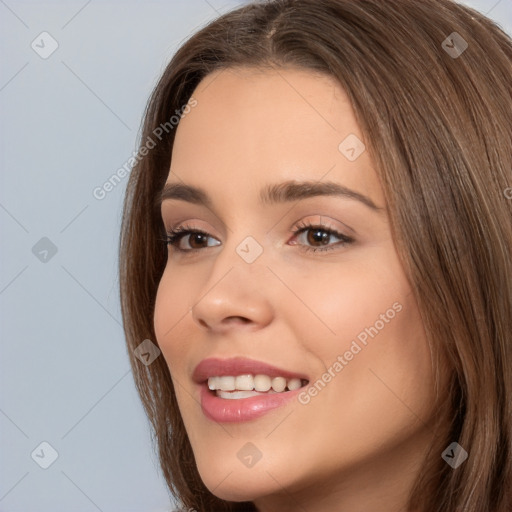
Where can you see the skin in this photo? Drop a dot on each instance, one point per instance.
(358, 444)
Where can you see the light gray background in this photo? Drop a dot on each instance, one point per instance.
(68, 123)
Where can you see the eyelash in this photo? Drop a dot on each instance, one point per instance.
(175, 235)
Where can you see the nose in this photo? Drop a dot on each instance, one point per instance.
(234, 296)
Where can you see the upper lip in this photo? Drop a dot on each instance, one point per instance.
(215, 367)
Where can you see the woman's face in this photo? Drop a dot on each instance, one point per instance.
(296, 269)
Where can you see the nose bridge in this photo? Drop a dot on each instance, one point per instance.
(240, 263)
(244, 246)
(234, 287)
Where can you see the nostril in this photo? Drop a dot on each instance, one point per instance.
(237, 319)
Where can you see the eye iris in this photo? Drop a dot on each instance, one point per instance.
(318, 236)
(197, 237)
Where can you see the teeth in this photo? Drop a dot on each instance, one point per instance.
(226, 383)
(244, 382)
(294, 384)
(243, 386)
(212, 383)
(279, 384)
(262, 383)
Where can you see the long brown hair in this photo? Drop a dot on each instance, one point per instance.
(437, 120)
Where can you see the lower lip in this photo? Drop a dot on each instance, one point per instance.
(227, 410)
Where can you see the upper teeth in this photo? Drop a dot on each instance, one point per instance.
(260, 383)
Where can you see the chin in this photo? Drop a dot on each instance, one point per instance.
(240, 483)
(238, 486)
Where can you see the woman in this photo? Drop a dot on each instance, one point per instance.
(317, 237)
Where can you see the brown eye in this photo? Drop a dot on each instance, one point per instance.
(318, 238)
(196, 238)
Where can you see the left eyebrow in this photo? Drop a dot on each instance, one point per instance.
(284, 192)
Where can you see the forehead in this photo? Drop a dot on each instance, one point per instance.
(251, 126)
(287, 102)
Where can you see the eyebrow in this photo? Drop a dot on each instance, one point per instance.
(284, 192)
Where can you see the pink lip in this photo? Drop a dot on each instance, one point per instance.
(224, 410)
(245, 409)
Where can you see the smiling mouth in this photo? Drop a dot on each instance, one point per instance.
(245, 386)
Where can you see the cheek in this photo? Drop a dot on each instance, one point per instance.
(333, 305)
(384, 394)
(172, 329)
(172, 305)
(376, 385)
(365, 314)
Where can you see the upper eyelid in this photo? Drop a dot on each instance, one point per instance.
(318, 202)
(182, 230)
(308, 222)
(301, 225)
